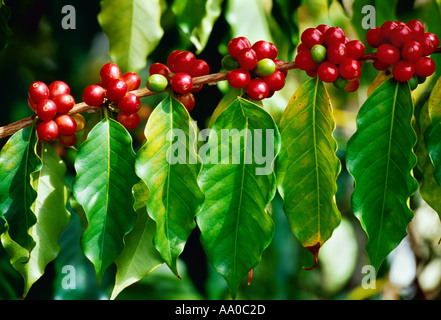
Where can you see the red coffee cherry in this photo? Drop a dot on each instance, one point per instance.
(352, 86)
(337, 52)
(32, 104)
(132, 79)
(328, 72)
(388, 54)
(187, 99)
(65, 102)
(110, 71)
(386, 28)
(159, 68)
(67, 141)
(310, 37)
(412, 51)
(425, 67)
(403, 71)
(46, 109)
(247, 59)
(171, 60)
(200, 68)
(116, 89)
(66, 124)
(181, 82)
(322, 28)
(400, 35)
(333, 34)
(58, 87)
(265, 49)
(275, 81)
(239, 78)
(278, 63)
(304, 61)
(417, 29)
(184, 61)
(374, 38)
(380, 66)
(236, 45)
(257, 89)
(38, 91)
(349, 69)
(429, 42)
(47, 130)
(94, 95)
(355, 49)
(129, 121)
(130, 103)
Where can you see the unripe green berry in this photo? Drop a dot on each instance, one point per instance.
(318, 53)
(229, 63)
(340, 83)
(157, 83)
(413, 82)
(265, 67)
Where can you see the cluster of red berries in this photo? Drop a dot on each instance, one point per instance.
(326, 52)
(254, 67)
(115, 88)
(406, 47)
(51, 104)
(181, 68)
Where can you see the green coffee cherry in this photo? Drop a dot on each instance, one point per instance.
(265, 67)
(229, 63)
(318, 53)
(157, 83)
(340, 83)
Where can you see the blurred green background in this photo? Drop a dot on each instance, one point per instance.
(38, 48)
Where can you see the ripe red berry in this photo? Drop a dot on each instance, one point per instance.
(239, 78)
(38, 91)
(302, 47)
(328, 72)
(160, 68)
(336, 52)
(265, 49)
(47, 130)
(94, 95)
(129, 121)
(352, 86)
(429, 42)
(236, 45)
(247, 59)
(380, 66)
(109, 72)
(257, 89)
(412, 51)
(32, 104)
(322, 28)
(132, 79)
(184, 61)
(187, 99)
(349, 69)
(400, 35)
(46, 109)
(304, 61)
(355, 49)
(171, 59)
(275, 81)
(333, 34)
(425, 67)
(65, 102)
(417, 29)
(278, 63)
(67, 141)
(58, 87)
(181, 82)
(374, 38)
(130, 103)
(388, 54)
(200, 68)
(116, 89)
(66, 124)
(386, 28)
(403, 71)
(310, 37)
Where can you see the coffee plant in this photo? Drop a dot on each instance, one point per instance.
(139, 205)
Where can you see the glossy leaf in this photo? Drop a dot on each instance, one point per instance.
(238, 181)
(169, 167)
(380, 158)
(139, 257)
(52, 218)
(134, 30)
(103, 187)
(307, 166)
(18, 161)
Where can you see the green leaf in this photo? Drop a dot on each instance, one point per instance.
(139, 257)
(238, 185)
(52, 218)
(17, 161)
(307, 166)
(103, 187)
(380, 158)
(170, 168)
(5, 31)
(133, 28)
